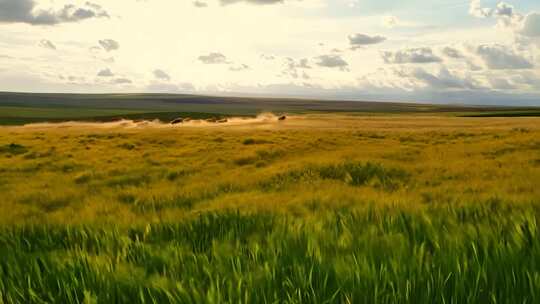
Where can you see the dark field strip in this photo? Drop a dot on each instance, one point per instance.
(231, 105)
(170, 116)
(482, 252)
(25, 108)
(505, 114)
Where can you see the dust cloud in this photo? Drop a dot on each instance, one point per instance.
(261, 119)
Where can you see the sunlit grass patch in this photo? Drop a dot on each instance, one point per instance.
(37, 155)
(84, 177)
(155, 204)
(260, 158)
(127, 180)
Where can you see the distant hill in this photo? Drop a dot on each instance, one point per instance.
(18, 108)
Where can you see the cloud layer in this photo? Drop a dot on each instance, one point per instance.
(359, 40)
(24, 11)
(415, 55)
(382, 50)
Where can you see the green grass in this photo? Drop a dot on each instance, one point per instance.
(352, 173)
(482, 252)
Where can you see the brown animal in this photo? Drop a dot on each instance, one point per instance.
(177, 121)
(281, 118)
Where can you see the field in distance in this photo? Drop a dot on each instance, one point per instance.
(319, 208)
(25, 108)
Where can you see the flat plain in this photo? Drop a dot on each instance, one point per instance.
(319, 208)
(25, 108)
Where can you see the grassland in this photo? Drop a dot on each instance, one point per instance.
(26, 108)
(14, 116)
(315, 209)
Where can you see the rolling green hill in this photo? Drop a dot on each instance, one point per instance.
(22, 108)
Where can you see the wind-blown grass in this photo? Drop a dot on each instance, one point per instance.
(479, 253)
(389, 214)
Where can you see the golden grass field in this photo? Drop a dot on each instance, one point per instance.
(315, 209)
(128, 173)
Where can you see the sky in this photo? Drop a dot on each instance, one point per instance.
(438, 51)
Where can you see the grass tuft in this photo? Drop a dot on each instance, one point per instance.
(351, 173)
(13, 149)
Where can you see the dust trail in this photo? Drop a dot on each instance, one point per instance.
(261, 119)
(124, 124)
